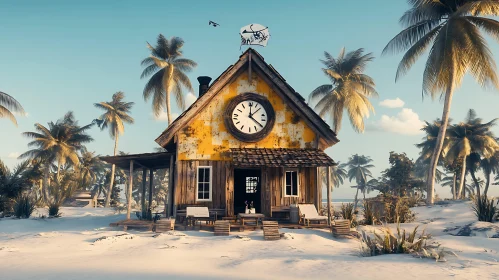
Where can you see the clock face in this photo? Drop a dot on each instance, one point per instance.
(249, 117)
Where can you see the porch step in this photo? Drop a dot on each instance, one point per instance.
(222, 228)
(271, 230)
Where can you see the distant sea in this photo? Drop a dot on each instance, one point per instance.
(344, 200)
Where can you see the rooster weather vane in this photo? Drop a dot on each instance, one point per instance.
(254, 34)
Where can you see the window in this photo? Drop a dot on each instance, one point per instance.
(291, 184)
(251, 183)
(204, 183)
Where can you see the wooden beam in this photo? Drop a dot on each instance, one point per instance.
(143, 198)
(129, 197)
(249, 68)
(328, 174)
(151, 179)
(169, 199)
(318, 202)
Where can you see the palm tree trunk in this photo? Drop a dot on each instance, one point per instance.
(477, 186)
(454, 186)
(430, 183)
(58, 171)
(355, 200)
(463, 175)
(487, 183)
(167, 87)
(113, 168)
(45, 186)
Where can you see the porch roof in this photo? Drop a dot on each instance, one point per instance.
(280, 157)
(145, 160)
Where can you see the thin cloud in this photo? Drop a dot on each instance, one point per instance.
(392, 103)
(406, 122)
(13, 155)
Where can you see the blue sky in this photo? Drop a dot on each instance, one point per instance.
(57, 56)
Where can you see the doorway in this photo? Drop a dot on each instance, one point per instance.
(247, 187)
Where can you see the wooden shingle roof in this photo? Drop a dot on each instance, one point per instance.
(280, 157)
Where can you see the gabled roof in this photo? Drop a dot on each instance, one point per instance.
(269, 75)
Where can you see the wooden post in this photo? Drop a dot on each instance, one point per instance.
(151, 176)
(169, 198)
(130, 183)
(143, 198)
(249, 67)
(318, 189)
(328, 173)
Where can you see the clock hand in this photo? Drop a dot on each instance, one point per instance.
(250, 113)
(255, 112)
(251, 117)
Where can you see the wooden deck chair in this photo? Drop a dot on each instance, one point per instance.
(195, 214)
(271, 230)
(341, 228)
(222, 227)
(308, 213)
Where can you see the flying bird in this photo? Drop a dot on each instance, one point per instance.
(213, 23)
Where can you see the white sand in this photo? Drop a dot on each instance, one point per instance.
(66, 248)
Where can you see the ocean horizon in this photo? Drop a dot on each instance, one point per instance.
(346, 200)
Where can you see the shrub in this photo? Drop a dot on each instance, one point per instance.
(24, 207)
(484, 208)
(347, 212)
(414, 201)
(119, 208)
(370, 217)
(397, 210)
(402, 243)
(54, 210)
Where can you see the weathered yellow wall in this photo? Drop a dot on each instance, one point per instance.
(207, 138)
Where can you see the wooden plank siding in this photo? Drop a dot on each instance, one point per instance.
(272, 186)
(185, 190)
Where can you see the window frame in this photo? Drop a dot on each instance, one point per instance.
(210, 183)
(297, 182)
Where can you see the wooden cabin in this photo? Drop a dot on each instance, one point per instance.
(248, 137)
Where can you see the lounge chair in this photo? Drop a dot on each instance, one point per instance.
(308, 213)
(196, 214)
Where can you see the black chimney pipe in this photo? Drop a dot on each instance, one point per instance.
(204, 82)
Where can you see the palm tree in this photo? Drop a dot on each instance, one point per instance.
(117, 112)
(349, 90)
(450, 181)
(168, 69)
(9, 106)
(367, 187)
(489, 166)
(89, 169)
(471, 137)
(451, 29)
(429, 142)
(338, 174)
(13, 183)
(358, 169)
(60, 142)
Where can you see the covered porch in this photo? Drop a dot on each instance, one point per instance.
(147, 163)
(305, 168)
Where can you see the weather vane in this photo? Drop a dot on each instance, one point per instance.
(254, 34)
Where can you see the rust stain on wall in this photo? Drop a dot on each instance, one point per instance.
(206, 137)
